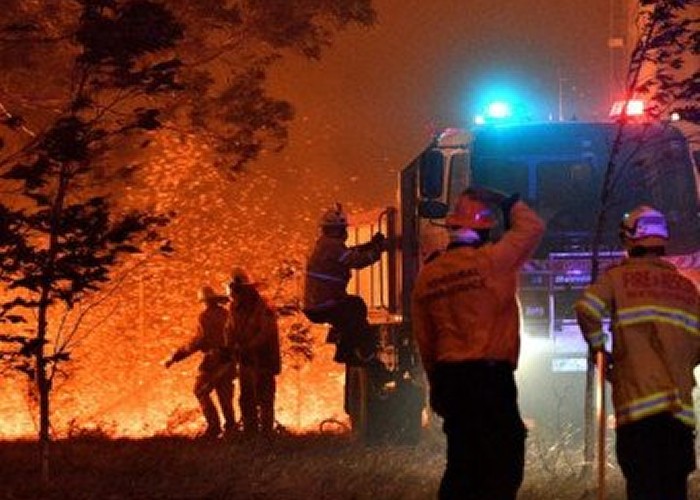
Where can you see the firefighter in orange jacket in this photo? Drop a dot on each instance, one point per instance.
(217, 370)
(465, 319)
(655, 347)
(327, 275)
(256, 339)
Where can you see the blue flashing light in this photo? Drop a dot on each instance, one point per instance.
(498, 110)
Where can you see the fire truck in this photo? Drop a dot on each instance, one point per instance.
(558, 168)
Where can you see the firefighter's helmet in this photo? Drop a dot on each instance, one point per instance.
(240, 278)
(207, 294)
(334, 217)
(644, 226)
(471, 213)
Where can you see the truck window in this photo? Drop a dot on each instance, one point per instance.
(559, 170)
(566, 195)
(502, 174)
(659, 172)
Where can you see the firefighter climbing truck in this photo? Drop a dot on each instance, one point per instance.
(557, 168)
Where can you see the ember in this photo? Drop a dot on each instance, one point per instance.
(115, 382)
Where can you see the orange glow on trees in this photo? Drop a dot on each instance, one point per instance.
(115, 383)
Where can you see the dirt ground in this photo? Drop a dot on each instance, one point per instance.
(287, 467)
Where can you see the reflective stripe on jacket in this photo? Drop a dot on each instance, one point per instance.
(328, 269)
(655, 336)
(464, 304)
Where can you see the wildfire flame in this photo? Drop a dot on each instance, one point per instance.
(115, 382)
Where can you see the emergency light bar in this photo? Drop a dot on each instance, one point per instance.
(498, 109)
(495, 112)
(635, 107)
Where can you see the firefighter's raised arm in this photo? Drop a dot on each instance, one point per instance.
(363, 255)
(524, 230)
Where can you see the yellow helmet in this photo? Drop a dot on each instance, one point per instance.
(644, 226)
(335, 217)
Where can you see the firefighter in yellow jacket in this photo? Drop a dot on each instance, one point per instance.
(217, 370)
(654, 312)
(256, 339)
(465, 319)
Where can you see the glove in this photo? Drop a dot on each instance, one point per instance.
(177, 356)
(378, 240)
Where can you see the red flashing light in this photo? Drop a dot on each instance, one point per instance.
(634, 108)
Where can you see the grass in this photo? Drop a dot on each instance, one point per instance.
(288, 467)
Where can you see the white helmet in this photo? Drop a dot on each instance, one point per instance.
(335, 217)
(644, 226)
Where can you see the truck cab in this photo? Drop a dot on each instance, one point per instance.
(558, 168)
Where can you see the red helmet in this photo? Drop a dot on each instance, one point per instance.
(472, 214)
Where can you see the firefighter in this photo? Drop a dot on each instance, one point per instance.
(256, 339)
(217, 370)
(655, 346)
(466, 324)
(325, 297)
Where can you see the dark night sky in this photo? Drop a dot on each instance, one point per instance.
(370, 104)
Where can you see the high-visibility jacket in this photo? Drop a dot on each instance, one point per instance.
(328, 269)
(464, 304)
(210, 338)
(654, 312)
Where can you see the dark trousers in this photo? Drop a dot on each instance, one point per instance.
(257, 399)
(485, 434)
(349, 318)
(656, 454)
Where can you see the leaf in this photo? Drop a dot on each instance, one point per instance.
(148, 119)
(167, 247)
(15, 318)
(61, 356)
(127, 249)
(32, 346)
